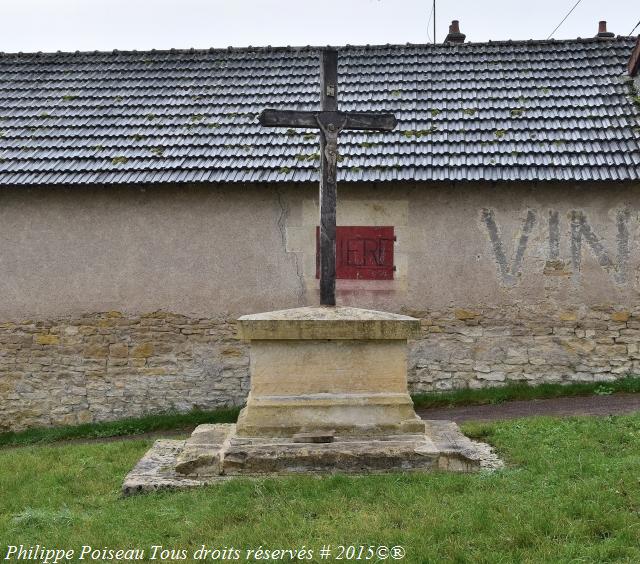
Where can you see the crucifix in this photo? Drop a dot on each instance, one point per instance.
(330, 122)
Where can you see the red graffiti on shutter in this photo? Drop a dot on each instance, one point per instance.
(362, 253)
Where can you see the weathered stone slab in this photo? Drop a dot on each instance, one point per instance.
(310, 323)
(265, 456)
(442, 448)
(458, 453)
(349, 414)
(316, 437)
(203, 452)
(156, 470)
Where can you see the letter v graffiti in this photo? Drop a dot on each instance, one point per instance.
(509, 270)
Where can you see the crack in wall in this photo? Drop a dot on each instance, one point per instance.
(554, 235)
(282, 227)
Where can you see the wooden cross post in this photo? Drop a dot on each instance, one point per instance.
(330, 122)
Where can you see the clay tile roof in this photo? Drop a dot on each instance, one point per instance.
(497, 111)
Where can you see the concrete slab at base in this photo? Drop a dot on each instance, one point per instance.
(442, 448)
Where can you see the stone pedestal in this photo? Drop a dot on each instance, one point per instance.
(328, 394)
(320, 370)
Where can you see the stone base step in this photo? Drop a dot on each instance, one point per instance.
(215, 453)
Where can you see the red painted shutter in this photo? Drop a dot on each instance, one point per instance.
(362, 253)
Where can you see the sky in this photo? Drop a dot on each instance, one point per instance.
(70, 25)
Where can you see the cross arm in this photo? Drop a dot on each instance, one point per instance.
(309, 119)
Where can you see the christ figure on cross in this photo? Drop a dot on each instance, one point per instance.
(330, 121)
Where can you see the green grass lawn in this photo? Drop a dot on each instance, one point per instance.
(571, 493)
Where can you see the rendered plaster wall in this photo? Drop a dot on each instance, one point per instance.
(121, 301)
(204, 251)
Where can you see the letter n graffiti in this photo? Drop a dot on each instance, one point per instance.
(580, 229)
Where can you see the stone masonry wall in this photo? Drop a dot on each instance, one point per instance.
(476, 348)
(108, 366)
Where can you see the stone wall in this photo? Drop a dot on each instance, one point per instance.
(107, 366)
(465, 348)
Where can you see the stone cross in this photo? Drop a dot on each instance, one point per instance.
(330, 121)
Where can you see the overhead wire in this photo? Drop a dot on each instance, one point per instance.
(636, 27)
(433, 6)
(563, 19)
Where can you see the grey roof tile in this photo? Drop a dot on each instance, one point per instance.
(528, 110)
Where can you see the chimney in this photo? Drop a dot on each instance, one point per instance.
(602, 30)
(454, 35)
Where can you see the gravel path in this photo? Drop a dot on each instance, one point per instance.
(614, 404)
